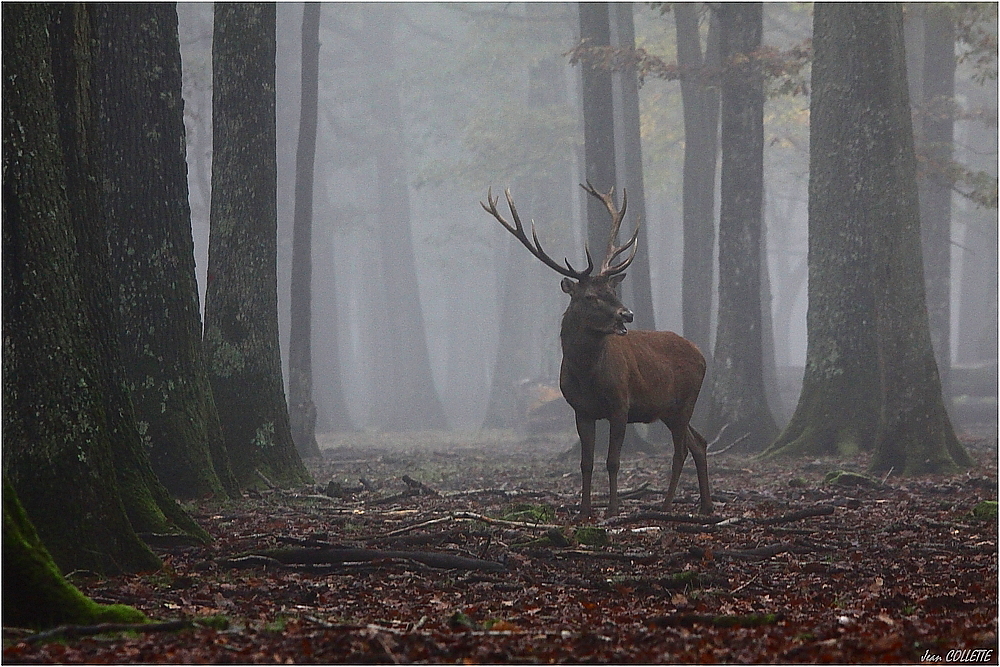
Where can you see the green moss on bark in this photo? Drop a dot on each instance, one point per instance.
(35, 594)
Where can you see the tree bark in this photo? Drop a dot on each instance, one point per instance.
(937, 121)
(63, 415)
(149, 233)
(701, 140)
(871, 381)
(35, 593)
(301, 409)
(241, 307)
(631, 158)
(738, 396)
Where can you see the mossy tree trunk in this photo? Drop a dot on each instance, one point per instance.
(241, 300)
(915, 435)
(871, 381)
(737, 395)
(35, 593)
(137, 88)
(71, 447)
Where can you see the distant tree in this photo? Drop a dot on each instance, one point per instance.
(871, 381)
(737, 390)
(149, 232)
(931, 66)
(700, 95)
(72, 449)
(405, 393)
(301, 409)
(241, 308)
(630, 157)
(598, 121)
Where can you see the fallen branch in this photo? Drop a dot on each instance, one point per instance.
(728, 447)
(610, 555)
(72, 631)
(761, 553)
(661, 516)
(297, 556)
(503, 522)
(406, 529)
(819, 510)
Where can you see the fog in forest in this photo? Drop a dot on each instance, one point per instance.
(422, 108)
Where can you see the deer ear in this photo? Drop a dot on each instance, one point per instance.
(568, 286)
(616, 280)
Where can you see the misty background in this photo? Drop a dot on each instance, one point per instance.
(487, 98)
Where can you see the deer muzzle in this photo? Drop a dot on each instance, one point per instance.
(625, 316)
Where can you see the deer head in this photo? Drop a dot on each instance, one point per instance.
(594, 304)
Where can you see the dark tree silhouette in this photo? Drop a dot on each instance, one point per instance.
(149, 232)
(72, 448)
(700, 96)
(241, 301)
(737, 385)
(301, 409)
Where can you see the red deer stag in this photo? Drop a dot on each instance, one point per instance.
(611, 373)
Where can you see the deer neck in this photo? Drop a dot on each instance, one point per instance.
(583, 348)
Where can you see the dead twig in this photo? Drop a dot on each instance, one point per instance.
(661, 516)
(728, 447)
(503, 522)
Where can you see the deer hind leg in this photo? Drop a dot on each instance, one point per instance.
(679, 436)
(615, 439)
(698, 446)
(586, 429)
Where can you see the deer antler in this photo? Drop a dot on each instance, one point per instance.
(517, 229)
(617, 215)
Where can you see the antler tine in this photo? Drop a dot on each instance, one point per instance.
(517, 229)
(617, 216)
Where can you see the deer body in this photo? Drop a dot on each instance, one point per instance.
(611, 373)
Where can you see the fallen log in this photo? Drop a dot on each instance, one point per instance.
(299, 556)
(72, 631)
(819, 510)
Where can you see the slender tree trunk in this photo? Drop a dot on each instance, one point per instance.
(701, 141)
(738, 396)
(241, 302)
(631, 153)
(405, 391)
(598, 124)
(150, 238)
(301, 409)
(937, 118)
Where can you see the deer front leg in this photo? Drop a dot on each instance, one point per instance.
(615, 439)
(698, 447)
(585, 428)
(679, 436)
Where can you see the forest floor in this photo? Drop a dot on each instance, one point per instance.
(444, 548)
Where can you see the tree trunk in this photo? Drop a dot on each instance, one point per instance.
(598, 124)
(35, 593)
(241, 307)
(301, 409)
(631, 153)
(914, 434)
(405, 392)
(871, 380)
(58, 427)
(738, 396)
(937, 120)
(701, 140)
(150, 238)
